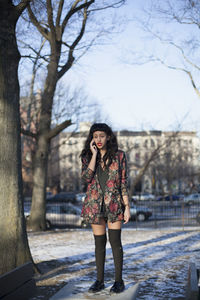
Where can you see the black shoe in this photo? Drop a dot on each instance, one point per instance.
(117, 287)
(96, 287)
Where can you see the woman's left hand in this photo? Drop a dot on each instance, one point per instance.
(127, 214)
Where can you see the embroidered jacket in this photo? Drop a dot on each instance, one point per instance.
(115, 189)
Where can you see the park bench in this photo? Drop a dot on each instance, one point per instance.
(192, 288)
(18, 283)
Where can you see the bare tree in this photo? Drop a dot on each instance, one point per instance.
(149, 162)
(173, 27)
(175, 166)
(68, 104)
(64, 27)
(14, 249)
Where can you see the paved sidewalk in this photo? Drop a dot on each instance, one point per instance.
(71, 291)
(157, 259)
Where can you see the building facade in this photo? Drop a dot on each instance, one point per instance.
(161, 162)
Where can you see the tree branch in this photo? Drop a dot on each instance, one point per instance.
(70, 60)
(154, 154)
(50, 19)
(22, 6)
(183, 70)
(28, 133)
(114, 5)
(60, 8)
(55, 131)
(171, 43)
(37, 52)
(73, 10)
(184, 56)
(42, 30)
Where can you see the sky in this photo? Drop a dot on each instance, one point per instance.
(137, 97)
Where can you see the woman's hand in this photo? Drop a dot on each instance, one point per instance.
(93, 147)
(127, 214)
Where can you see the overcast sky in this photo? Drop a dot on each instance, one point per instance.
(137, 97)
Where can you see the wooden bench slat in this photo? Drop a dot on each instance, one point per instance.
(192, 284)
(15, 278)
(23, 292)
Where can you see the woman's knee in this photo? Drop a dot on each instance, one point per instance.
(99, 229)
(115, 225)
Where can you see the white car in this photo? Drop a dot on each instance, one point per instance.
(140, 213)
(143, 197)
(191, 199)
(62, 214)
(80, 197)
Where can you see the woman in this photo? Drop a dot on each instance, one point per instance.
(106, 202)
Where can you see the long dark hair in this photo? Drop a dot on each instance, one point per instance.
(112, 145)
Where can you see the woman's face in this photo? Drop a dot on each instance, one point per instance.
(100, 138)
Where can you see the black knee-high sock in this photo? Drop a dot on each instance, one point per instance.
(117, 250)
(100, 253)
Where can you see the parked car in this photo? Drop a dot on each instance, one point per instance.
(29, 198)
(191, 199)
(143, 197)
(62, 214)
(198, 217)
(62, 197)
(80, 197)
(140, 213)
(169, 198)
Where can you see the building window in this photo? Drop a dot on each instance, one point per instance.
(146, 143)
(137, 144)
(70, 157)
(152, 143)
(137, 157)
(146, 156)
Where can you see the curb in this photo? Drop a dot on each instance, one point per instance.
(68, 292)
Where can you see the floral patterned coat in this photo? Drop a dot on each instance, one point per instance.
(115, 189)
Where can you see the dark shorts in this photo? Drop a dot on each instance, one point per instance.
(103, 213)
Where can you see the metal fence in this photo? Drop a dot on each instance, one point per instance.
(163, 214)
(168, 214)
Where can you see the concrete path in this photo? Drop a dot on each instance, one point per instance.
(77, 291)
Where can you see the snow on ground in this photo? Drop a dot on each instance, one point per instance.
(158, 259)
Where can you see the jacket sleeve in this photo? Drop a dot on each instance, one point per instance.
(87, 174)
(124, 176)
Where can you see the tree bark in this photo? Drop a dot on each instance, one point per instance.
(37, 217)
(40, 161)
(14, 249)
(37, 220)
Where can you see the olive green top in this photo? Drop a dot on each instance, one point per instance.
(102, 176)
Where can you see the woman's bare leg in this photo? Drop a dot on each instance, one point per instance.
(99, 229)
(115, 225)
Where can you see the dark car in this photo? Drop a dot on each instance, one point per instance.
(169, 198)
(140, 213)
(63, 197)
(198, 217)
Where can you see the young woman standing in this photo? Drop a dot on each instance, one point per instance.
(104, 169)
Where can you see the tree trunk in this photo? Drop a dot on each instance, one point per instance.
(38, 207)
(14, 249)
(40, 161)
